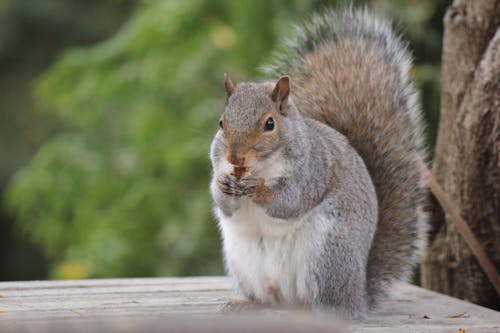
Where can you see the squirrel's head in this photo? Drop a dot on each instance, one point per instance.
(254, 119)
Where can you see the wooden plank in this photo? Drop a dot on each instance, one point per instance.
(413, 309)
(151, 302)
(188, 324)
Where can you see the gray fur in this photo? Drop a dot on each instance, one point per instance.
(350, 139)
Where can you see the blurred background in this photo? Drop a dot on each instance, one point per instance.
(107, 110)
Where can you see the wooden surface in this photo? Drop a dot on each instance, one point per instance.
(131, 304)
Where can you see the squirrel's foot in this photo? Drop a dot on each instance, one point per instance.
(240, 305)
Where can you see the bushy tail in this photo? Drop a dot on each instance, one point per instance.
(349, 70)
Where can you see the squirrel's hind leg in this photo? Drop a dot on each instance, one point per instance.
(340, 283)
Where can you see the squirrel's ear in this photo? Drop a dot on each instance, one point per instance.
(229, 85)
(281, 91)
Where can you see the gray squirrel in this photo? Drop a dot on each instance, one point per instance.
(316, 184)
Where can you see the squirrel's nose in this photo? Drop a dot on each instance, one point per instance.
(235, 158)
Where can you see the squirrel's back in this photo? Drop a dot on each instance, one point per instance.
(350, 71)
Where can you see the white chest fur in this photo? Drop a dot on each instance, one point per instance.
(271, 257)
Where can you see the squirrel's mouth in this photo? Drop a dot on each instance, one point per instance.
(240, 171)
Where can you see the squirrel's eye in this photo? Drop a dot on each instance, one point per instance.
(269, 126)
(220, 123)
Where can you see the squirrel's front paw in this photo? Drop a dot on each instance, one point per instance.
(230, 185)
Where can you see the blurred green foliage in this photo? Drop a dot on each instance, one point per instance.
(33, 34)
(122, 190)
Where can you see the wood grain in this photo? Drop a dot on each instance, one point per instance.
(191, 305)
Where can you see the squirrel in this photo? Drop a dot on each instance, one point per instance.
(316, 185)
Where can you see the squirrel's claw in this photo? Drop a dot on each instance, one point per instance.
(230, 185)
(227, 185)
(249, 185)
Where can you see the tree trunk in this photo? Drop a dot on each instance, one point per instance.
(467, 155)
